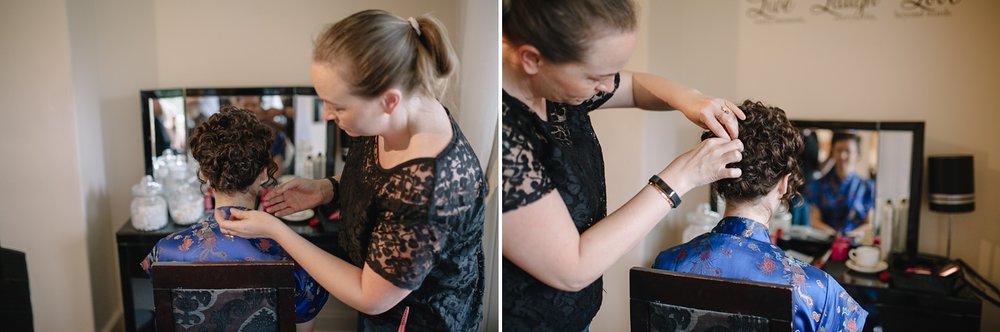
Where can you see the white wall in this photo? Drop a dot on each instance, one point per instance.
(71, 75)
(42, 210)
(937, 69)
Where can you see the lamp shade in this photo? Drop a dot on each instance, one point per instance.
(952, 188)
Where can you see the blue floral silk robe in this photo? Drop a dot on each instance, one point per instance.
(740, 248)
(204, 242)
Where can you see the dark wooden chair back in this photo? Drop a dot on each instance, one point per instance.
(661, 300)
(15, 295)
(274, 277)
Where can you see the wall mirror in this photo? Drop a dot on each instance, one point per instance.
(883, 165)
(305, 144)
(883, 162)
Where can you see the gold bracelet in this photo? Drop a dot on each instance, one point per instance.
(672, 197)
(662, 193)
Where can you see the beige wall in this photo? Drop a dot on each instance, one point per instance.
(941, 70)
(43, 211)
(71, 75)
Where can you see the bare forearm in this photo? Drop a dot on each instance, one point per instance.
(542, 239)
(607, 241)
(566, 260)
(342, 279)
(652, 92)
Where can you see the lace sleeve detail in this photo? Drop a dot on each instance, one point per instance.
(404, 251)
(602, 97)
(434, 209)
(524, 178)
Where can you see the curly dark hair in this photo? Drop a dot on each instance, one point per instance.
(232, 147)
(771, 147)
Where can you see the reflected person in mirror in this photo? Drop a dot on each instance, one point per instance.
(412, 193)
(233, 152)
(842, 202)
(739, 247)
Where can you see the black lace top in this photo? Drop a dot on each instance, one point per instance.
(538, 156)
(419, 225)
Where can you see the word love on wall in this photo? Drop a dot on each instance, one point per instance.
(804, 11)
(773, 11)
(920, 8)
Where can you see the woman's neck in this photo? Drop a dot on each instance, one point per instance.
(418, 116)
(755, 210)
(517, 83)
(246, 200)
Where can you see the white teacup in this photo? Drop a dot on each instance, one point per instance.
(865, 256)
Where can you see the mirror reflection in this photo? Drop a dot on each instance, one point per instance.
(861, 180)
(294, 115)
(894, 188)
(839, 168)
(168, 124)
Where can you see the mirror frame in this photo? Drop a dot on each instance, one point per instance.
(332, 142)
(916, 165)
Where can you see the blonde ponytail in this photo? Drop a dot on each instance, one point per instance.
(377, 51)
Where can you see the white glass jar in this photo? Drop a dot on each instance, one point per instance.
(700, 221)
(186, 203)
(149, 208)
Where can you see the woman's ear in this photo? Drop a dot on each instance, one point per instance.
(783, 184)
(390, 99)
(530, 58)
(262, 177)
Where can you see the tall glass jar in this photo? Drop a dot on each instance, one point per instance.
(186, 203)
(149, 208)
(701, 220)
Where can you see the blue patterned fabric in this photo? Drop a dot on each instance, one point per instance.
(204, 242)
(740, 249)
(843, 204)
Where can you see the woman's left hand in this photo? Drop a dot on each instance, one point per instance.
(251, 224)
(715, 114)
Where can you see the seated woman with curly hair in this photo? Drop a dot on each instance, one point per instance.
(233, 150)
(740, 248)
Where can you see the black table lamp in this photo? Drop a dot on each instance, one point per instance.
(952, 188)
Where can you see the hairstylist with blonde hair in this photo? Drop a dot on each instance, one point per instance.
(563, 59)
(412, 192)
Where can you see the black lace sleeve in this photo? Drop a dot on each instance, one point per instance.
(602, 97)
(434, 211)
(524, 178)
(405, 241)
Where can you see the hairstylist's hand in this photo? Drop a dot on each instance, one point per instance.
(251, 224)
(715, 114)
(704, 164)
(297, 195)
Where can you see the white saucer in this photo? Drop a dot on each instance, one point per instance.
(882, 265)
(300, 216)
